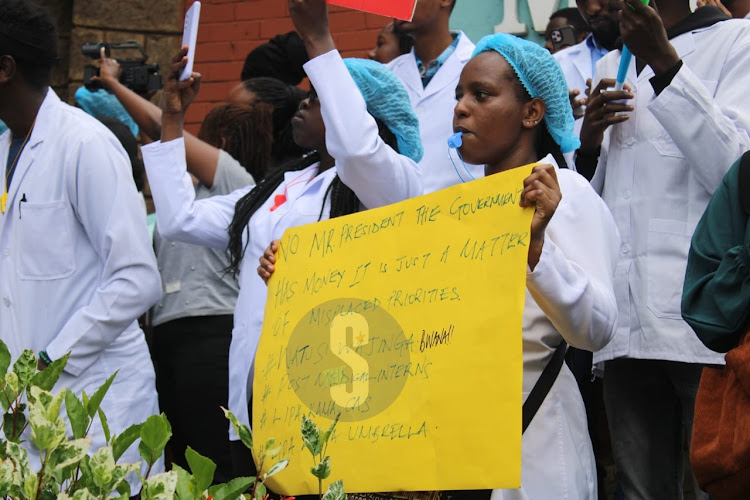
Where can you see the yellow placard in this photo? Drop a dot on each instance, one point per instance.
(406, 320)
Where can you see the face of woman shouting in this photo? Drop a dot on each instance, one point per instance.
(498, 120)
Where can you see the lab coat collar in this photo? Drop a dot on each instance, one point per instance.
(446, 75)
(42, 126)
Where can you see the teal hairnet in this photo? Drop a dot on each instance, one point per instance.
(387, 100)
(543, 78)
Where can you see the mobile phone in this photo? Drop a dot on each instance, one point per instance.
(563, 37)
(189, 37)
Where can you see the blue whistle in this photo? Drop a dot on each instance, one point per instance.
(455, 140)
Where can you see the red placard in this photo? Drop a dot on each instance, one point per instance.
(400, 9)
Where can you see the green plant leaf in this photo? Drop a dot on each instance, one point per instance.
(323, 469)
(260, 491)
(243, 431)
(105, 425)
(68, 453)
(155, 434)
(160, 487)
(335, 491)
(96, 400)
(311, 436)
(276, 468)
(186, 488)
(4, 358)
(10, 423)
(11, 381)
(202, 468)
(7, 396)
(121, 443)
(47, 378)
(232, 489)
(79, 419)
(25, 368)
(325, 435)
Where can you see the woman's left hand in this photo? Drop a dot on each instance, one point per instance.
(310, 19)
(541, 190)
(267, 261)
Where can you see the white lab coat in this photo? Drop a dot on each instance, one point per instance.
(575, 62)
(434, 107)
(77, 267)
(568, 295)
(657, 172)
(375, 172)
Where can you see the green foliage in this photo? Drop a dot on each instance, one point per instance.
(335, 491)
(316, 441)
(71, 471)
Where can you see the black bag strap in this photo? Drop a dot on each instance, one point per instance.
(543, 385)
(744, 182)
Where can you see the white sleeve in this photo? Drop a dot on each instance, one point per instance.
(573, 281)
(107, 205)
(372, 169)
(178, 215)
(698, 122)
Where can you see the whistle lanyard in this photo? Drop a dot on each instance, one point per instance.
(12, 168)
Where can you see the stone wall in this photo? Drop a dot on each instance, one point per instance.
(156, 25)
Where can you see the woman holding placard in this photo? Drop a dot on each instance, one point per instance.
(357, 121)
(513, 109)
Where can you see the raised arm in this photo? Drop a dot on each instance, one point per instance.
(178, 214)
(372, 169)
(201, 157)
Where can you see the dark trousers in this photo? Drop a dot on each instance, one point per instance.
(650, 410)
(191, 357)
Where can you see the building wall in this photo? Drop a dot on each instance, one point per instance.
(157, 26)
(229, 29)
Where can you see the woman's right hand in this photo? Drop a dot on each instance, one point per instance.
(267, 261)
(179, 95)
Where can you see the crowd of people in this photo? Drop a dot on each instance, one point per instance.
(623, 181)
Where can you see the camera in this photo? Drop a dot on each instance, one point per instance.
(137, 75)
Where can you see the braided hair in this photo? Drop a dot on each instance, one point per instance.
(343, 200)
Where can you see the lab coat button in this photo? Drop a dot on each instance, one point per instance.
(192, 268)
(172, 243)
(625, 248)
(6, 301)
(629, 141)
(626, 195)
(6, 251)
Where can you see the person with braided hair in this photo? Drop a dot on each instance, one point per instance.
(360, 124)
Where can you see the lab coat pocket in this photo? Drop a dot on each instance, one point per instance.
(668, 245)
(46, 241)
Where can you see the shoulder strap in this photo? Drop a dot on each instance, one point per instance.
(744, 183)
(543, 385)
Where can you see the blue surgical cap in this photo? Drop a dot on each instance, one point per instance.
(102, 103)
(542, 77)
(387, 100)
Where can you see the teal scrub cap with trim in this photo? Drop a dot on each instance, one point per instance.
(542, 77)
(387, 100)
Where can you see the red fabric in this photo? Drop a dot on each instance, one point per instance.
(400, 9)
(720, 448)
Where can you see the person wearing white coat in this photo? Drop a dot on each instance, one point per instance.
(434, 101)
(513, 109)
(76, 268)
(349, 149)
(657, 172)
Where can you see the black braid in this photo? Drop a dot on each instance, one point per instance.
(252, 201)
(343, 199)
(545, 145)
